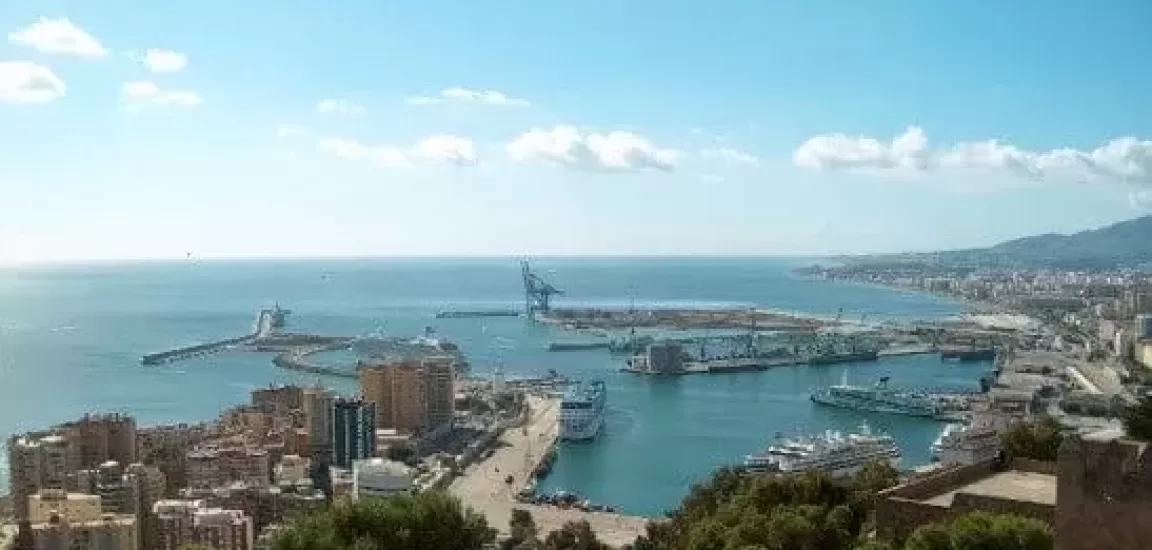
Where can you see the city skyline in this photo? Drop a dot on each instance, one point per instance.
(135, 132)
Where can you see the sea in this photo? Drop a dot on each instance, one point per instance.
(71, 338)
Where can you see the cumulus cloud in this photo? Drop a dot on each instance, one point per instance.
(464, 95)
(446, 149)
(164, 61)
(24, 82)
(731, 156)
(58, 36)
(339, 107)
(569, 147)
(1125, 159)
(143, 94)
(441, 149)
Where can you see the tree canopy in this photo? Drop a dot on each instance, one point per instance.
(809, 511)
(1040, 441)
(403, 522)
(983, 531)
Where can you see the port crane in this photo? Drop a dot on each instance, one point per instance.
(538, 293)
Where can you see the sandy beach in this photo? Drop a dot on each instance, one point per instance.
(483, 486)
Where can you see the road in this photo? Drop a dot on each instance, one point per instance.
(482, 486)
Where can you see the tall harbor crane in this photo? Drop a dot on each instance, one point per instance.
(538, 293)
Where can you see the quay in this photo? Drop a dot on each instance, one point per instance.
(267, 322)
(521, 450)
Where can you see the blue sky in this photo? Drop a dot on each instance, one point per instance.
(258, 128)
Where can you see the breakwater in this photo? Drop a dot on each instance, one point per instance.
(296, 359)
(266, 323)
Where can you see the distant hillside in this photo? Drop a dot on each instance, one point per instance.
(1128, 243)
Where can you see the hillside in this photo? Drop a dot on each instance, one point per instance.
(1123, 244)
(1127, 243)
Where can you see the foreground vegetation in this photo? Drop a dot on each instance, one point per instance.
(731, 511)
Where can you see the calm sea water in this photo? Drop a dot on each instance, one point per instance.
(71, 338)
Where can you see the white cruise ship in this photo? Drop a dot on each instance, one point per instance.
(832, 452)
(582, 411)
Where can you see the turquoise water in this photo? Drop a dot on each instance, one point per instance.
(71, 337)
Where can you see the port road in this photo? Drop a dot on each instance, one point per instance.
(483, 485)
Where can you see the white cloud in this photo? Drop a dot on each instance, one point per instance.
(141, 94)
(446, 149)
(730, 155)
(1125, 159)
(339, 107)
(442, 149)
(567, 146)
(464, 95)
(58, 36)
(24, 82)
(164, 61)
(286, 131)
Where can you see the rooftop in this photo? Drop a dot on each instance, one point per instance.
(1009, 485)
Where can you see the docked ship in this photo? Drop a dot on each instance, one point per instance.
(577, 346)
(877, 398)
(428, 344)
(832, 358)
(972, 354)
(831, 452)
(582, 411)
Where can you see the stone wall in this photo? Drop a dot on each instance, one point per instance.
(900, 510)
(1107, 485)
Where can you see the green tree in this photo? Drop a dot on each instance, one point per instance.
(736, 510)
(983, 531)
(1040, 441)
(574, 535)
(934, 536)
(522, 531)
(1138, 419)
(405, 522)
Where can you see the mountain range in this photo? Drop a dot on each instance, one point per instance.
(1124, 244)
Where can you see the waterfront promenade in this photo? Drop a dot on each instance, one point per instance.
(482, 485)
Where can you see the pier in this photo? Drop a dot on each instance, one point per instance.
(266, 324)
(468, 314)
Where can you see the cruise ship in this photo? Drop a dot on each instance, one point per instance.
(831, 452)
(582, 411)
(877, 398)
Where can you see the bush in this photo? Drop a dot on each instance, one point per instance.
(420, 522)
